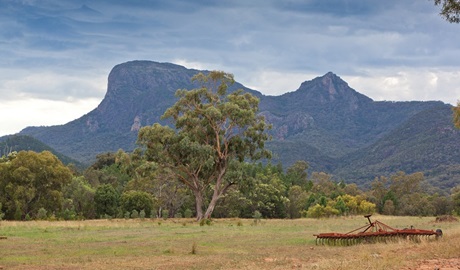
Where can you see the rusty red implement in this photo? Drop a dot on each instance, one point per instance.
(373, 232)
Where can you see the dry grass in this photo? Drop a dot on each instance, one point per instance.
(183, 244)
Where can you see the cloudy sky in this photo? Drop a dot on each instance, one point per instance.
(55, 55)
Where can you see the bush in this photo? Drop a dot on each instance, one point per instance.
(205, 221)
(69, 214)
(134, 214)
(165, 213)
(142, 214)
(257, 217)
(106, 199)
(41, 215)
(137, 200)
(188, 213)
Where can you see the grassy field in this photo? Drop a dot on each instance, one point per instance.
(226, 244)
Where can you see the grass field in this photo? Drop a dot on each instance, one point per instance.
(226, 244)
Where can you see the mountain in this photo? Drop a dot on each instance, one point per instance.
(138, 93)
(325, 122)
(18, 143)
(426, 142)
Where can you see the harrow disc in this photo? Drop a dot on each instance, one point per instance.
(374, 232)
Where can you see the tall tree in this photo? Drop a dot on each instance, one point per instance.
(296, 175)
(213, 129)
(450, 10)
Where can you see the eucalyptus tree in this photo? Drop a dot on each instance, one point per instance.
(450, 10)
(214, 132)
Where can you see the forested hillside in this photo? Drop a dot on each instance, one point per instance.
(16, 143)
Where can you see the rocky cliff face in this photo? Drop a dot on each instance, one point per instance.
(138, 93)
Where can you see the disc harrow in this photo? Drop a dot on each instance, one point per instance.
(374, 232)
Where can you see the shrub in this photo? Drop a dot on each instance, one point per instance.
(142, 214)
(257, 217)
(205, 221)
(41, 215)
(134, 214)
(137, 200)
(106, 199)
(165, 213)
(68, 214)
(188, 213)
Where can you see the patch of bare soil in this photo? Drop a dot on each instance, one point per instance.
(437, 264)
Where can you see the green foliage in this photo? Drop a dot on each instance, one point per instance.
(107, 174)
(388, 208)
(456, 199)
(1, 212)
(106, 199)
(31, 181)
(17, 143)
(68, 214)
(165, 213)
(297, 175)
(450, 10)
(42, 214)
(137, 200)
(188, 213)
(257, 216)
(267, 192)
(134, 214)
(212, 130)
(297, 201)
(142, 214)
(205, 221)
(319, 211)
(403, 194)
(81, 197)
(426, 143)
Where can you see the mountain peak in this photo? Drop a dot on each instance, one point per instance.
(329, 88)
(332, 77)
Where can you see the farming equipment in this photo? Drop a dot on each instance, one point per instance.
(374, 232)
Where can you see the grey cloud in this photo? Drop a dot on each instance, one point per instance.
(294, 36)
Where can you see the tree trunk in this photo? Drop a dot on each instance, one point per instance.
(212, 204)
(198, 204)
(218, 191)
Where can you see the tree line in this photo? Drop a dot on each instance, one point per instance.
(125, 185)
(211, 162)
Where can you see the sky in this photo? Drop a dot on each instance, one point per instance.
(55, 55)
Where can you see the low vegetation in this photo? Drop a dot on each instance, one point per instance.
(220, 244)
